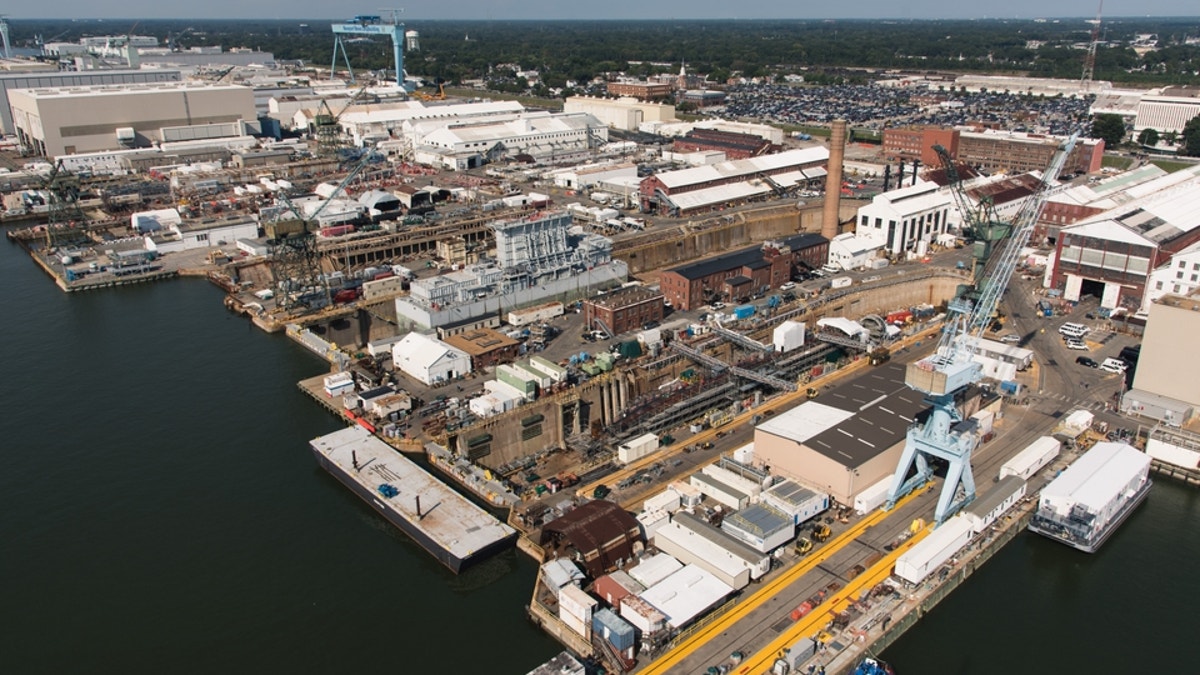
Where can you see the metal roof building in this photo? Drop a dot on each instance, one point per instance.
(596, 535)
(685, 594)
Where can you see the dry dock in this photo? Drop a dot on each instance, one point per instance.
(443, 522)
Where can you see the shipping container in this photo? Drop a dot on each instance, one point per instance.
(840, 282)
(617, 631)
(872, 497)
(637, 448)
(743, 311)
(1031, 460)
(877, 263)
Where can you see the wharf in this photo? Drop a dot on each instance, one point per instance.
(472, 477)
(446, 524)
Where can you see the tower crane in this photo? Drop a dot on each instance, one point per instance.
(951, 368)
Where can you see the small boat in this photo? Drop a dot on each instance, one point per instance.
(873, 666)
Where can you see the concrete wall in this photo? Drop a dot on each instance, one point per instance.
(1174, 322)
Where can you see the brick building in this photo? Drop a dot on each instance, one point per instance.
(910, 143)
(734, 145)
(642, 90)
(733, 276)
(623, 310)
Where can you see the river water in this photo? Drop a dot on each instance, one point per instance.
(162, 513)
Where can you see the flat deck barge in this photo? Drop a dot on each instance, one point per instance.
(453, 529)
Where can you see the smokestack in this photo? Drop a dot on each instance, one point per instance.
(833, 180)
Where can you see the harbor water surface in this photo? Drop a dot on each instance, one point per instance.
(162, 513)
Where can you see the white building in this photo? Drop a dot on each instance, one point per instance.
(851, 251)
(685, 594)
(1165, 113)
(539, 134)
(182, 236)
(1180, 276)
(626, 113)
(905, 220)
(428, 359)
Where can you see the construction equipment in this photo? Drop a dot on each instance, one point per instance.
(65, 222)
(440, 96)
(951, 368)
(295, 262)
(326, 129)
(820, 532)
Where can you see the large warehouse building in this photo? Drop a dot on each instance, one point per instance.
(848, 440)
(65, 121)
(622, 113)
(1164, 385)
(9, 81)
(690, 190)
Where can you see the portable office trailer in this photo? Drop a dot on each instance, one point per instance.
(928, 554)
(1031, 460)
(992, 504)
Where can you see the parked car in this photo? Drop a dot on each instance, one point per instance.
(1010, 339)
(1112, 365)
(1076, 344)
(1085, 361)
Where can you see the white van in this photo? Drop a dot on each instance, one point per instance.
(1073, 330)
(1112, 365)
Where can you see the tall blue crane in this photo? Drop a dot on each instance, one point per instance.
(951, 368)
(365, 25)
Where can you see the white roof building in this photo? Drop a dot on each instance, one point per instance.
(850, 251)
(685, 594)
(901, 219)
(429, 360)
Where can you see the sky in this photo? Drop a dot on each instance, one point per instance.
(415, 11)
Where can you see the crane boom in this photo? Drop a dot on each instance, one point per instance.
(951, 368)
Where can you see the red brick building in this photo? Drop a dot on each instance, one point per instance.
(910, 143)
(486, 347)
(734, 276)
(734, 145)
(643, 90)
(623, 310)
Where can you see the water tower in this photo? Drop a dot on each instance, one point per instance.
(412, 41)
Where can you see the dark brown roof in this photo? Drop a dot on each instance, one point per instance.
(600, 531)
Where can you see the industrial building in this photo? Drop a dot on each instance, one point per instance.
(694, 542)
(765, 267)
(688, 190)
(623, 310)
(88, 78)
(795, 500)
(537, 259)
(1167, 111)
(1164, 385)
(52, 122)
(541, 135)
(990, 150)
(182, 236)
(761, 527)
(429, 360)
(686, 594)
(626, 114)
(989, 506)
(598, 535)
(1180, 276)
(734, 145)
(1110, 255)
(906, 220)
(848, 440)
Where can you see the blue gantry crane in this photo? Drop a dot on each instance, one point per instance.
(951, 368)
(366, 26)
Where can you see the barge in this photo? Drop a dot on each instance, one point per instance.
(1088, 501)
(446, 524)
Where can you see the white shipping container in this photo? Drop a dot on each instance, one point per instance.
(635, 449)
(929, 554)
(575, 602)
(576, 624)
(873, 497)
(667, 500)
(984, 418)
(840, 282)
(1031, 460)
(523, 317)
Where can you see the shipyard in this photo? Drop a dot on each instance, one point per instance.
(749, 399)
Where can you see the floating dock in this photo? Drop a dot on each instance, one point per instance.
(449, 526)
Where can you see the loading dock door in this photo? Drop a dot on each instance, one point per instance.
(1074, 283)
(1112, 295)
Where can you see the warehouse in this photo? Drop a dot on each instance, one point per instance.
(849, 440)
(553, 136)
(694, 549)
(427, 359)
(52, 122)
(486, 347)
(624, 113)
(9, 81)
(660, 191)
(734, 145)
